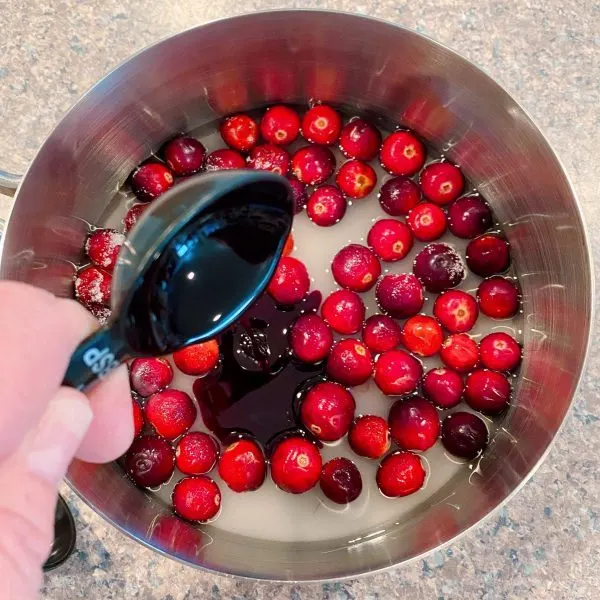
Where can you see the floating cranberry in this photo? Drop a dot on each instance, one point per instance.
(101, 313)
(400, 295)
(414, 423)
(196, 453)
(350, 362)
(296, 465)
(298, 193)
(240, 132)
(93, 286)
(439, 267)
(341, 481)
(150, 375)
(138, 418)
(464, 435)
(322, 125)
(242, 466)
(422, 335)
(369, 436)
(441, 182)
(310, 338)
(197, 359)
(224, 159)
(487, 391)
(151, 180)
(290, 283)
(280, 125)
(356, 268)
(359, 139)
(427, 221)
(184, 155)
(356, 179)
(488, 255)
(402, 153)
(397, 373)
(500, 352)
(498, 298)
(132, 216)
(171, 413)
(103, 247)
(313, 165)
(460, 352)
(469, 217)
(444, 387)
(268, 157)
(390, 239)
(196, 499)
(456, 310)
(326, 206)
(344, 311)
(399, 195)
(150, 461)
(381, 333)
(400, 474)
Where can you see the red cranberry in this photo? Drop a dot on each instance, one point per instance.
(350, 362)
(427, 222)
(150, 375)
(500, 352)
(240, 132)
(444, 387)
(397, 373)
(356, 179)
(93, 286)
(196, 453)
(138, 418)
(359, 139)
(171, 413)
(460, 352)
(310, 338)
(456, 310)
(402, 153)
(356, 268)
(197, 359)
(341, 481)
(439, 267)
(487, 391)
(196, 498)
(344, 311)
(313, 165)
(498, 298)
(464, 435)
(326, 206)
(322, 125)
(132, 216)
(151, 180)
(150, 461)
(399, 195)
(296, 465)
(280, 125)
(103, 247)
(101, 313)
(290, 283)
(400, 295)
(224, 159)
(242, 466)
(414, 423)
(422, 335)
(390, 239)
(469, 217)
(298, 193)
(288, 248)
(369, 436)
(381, 333)
(488, 255)
(184, 155)
(268, 157)
(327, 411)
(442, 182)
(400, 474)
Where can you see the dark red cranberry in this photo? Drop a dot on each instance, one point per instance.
(240, 132)
(498, 298)
(93, 286)
(390, 239)
(397, 373)
(290, 283)
(402, 153)
(242, 466)
(197, 359)
(298, 193)
(313, 165)
(310, 338)
(296, 465)
(268, 157)
(132, 216)
(344, 311)
(138, 418)
(359, 139)
(356, 179)
(196, 499)
(399, 195)
(487, 391)
(151, 180)
(103, 247)
(101, 313)
(369, 436)
(400, 474)
(184, 155)
(444, 387)
(464, 435)
(381, 333)
(327, 411)
(280, 125)
(326, 206)
(500, 352)
(439, 267)
(170, 412)
(356, 268)
(442, 182)
(469, 217)
(400, 295)
(341, 481)
(456, 310)
(488, 255)
(150, 461)
(422, 335)
(224, 159)
(460, 352)
(150, 375)
(196, 453)
(427, 221)
(322, 125)
(350, 362)
(414, 423)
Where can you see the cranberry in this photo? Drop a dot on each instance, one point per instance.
(150, 461)
(310, 338)
(442, 182)
(327, 411)
(422, 335)
(356, 179)
(341, 481)
(400, 474)
(296, 465)
(456, 310)
(224, 159)
(498, 298)
(288, 248)
(171, 413)
(197, 359)
(280, 125)
(427, 221)
(439, 267)
(487, 391)
(402, 153)
(150, 375)
(390, 239)
(196, 498)
(359, 139)
(290, 283)
(344, 311)
(298, 193)
(313, 165)
(101, 313)
(469, 217)
(369, 436)
(151, 180)
(268, 157)
(460, 352)
(326, 206)
(399, 195)
(488, 255)
(132, 216)
(103, 247)
(240, 132)
(184, 155)
(381, 333)
(414, 423)
(196, 453)
(93, 286)
(464, 435)
(500, 352)
(350, 362)
(322, 125)
(400, 295)
(356, 268)
(444, 387)
(138, 418)
(242, 466)
(397, 373)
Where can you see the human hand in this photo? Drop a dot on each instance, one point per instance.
(43, 425)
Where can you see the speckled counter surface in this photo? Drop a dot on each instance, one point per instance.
(545, 544)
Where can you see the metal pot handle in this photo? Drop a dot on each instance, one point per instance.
(9, 183)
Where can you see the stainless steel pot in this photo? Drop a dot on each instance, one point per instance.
(253, 60)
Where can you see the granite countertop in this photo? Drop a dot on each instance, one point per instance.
(545, 544)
